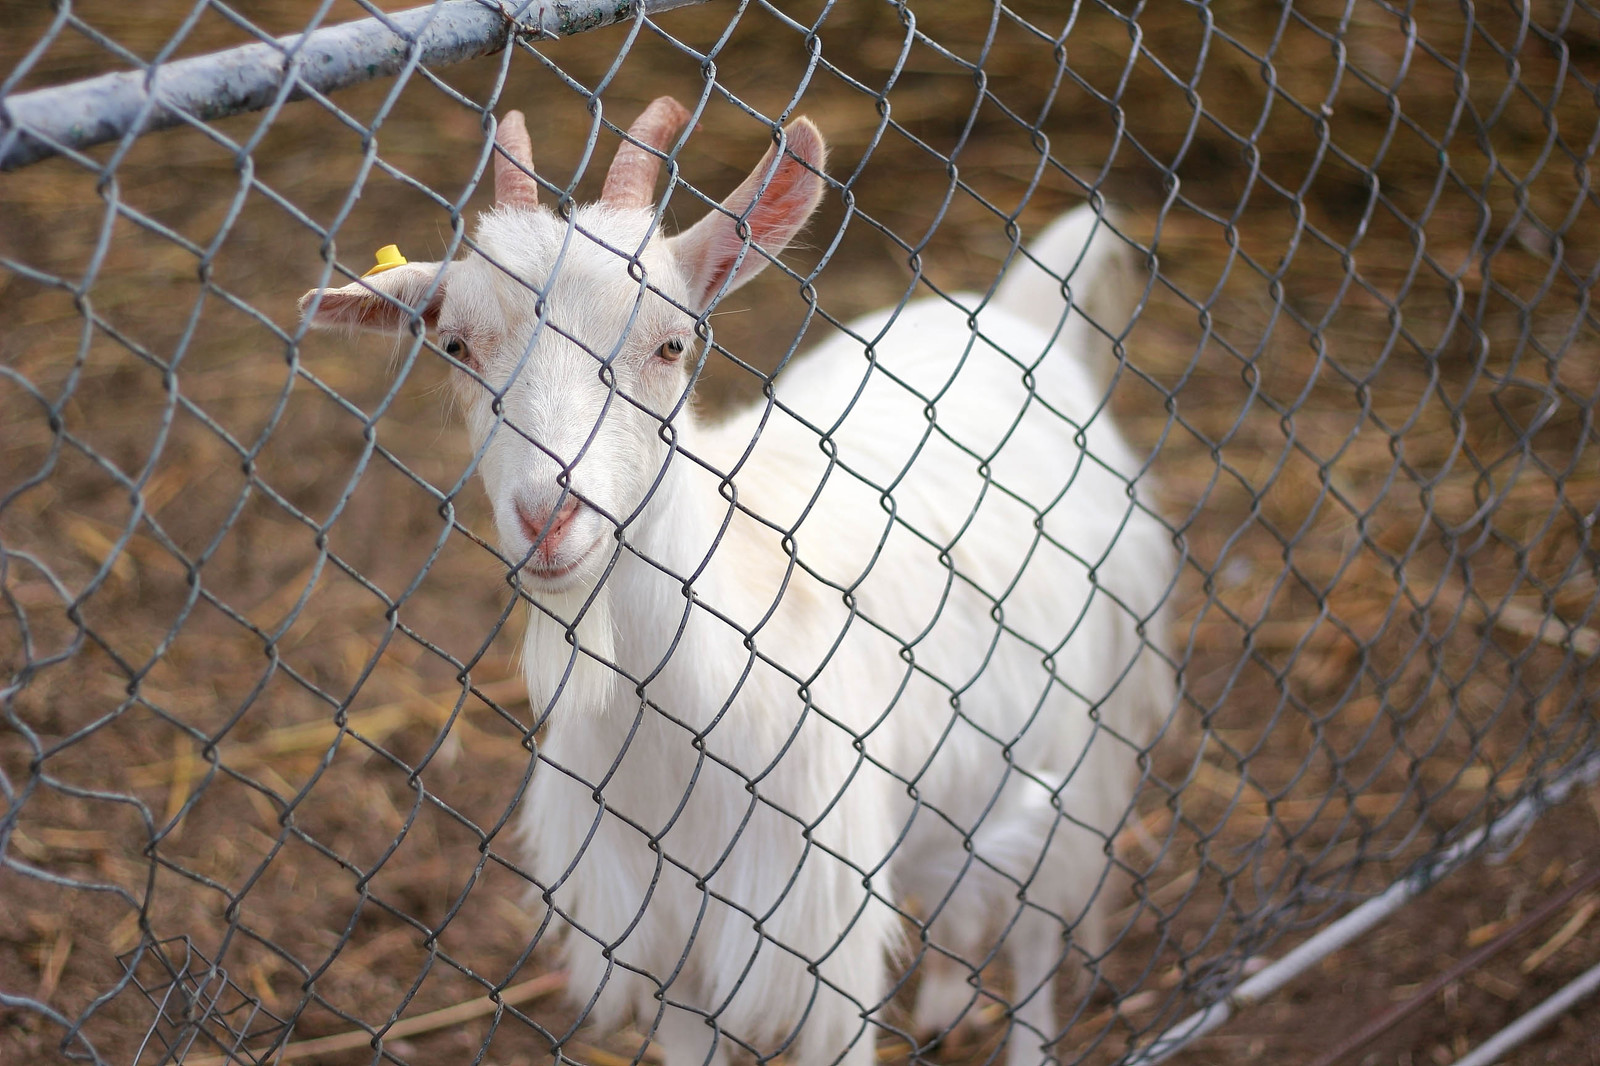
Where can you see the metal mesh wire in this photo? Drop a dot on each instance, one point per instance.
(266, 735)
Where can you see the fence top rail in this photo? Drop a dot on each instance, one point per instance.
(55, 121)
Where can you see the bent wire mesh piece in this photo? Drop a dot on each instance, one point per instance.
(825, 532)
(198, 1006)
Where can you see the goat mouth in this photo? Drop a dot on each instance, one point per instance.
(555, 572)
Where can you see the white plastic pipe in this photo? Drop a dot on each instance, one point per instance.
(1371, 913)
(1530, 1023)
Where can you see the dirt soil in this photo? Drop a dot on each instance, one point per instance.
(257, 682)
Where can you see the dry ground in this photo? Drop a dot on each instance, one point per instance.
(1366, 367)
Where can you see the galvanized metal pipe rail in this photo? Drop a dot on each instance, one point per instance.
(48, 122)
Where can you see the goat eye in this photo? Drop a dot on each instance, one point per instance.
(456, 348)
(670, 351)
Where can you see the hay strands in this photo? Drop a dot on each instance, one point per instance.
(375, 723)
(433, 1021)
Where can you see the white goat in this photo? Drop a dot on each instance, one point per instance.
(886, 645)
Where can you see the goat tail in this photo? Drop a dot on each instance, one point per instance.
(1076, 282)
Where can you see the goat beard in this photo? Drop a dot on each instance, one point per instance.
(578, 674)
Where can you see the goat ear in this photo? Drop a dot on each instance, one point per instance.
(382, 301)
(709, 250)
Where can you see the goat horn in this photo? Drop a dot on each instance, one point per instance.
(513, 170)
(631, 181)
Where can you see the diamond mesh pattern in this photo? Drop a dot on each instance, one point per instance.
(265, 733)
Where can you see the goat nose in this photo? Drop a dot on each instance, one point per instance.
(539, 520)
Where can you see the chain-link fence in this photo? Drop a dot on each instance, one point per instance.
(976, 635)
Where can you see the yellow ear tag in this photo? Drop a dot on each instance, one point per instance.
(389, 257)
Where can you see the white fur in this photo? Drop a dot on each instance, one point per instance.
(787, 739)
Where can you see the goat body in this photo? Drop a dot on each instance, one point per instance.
(887, 645)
